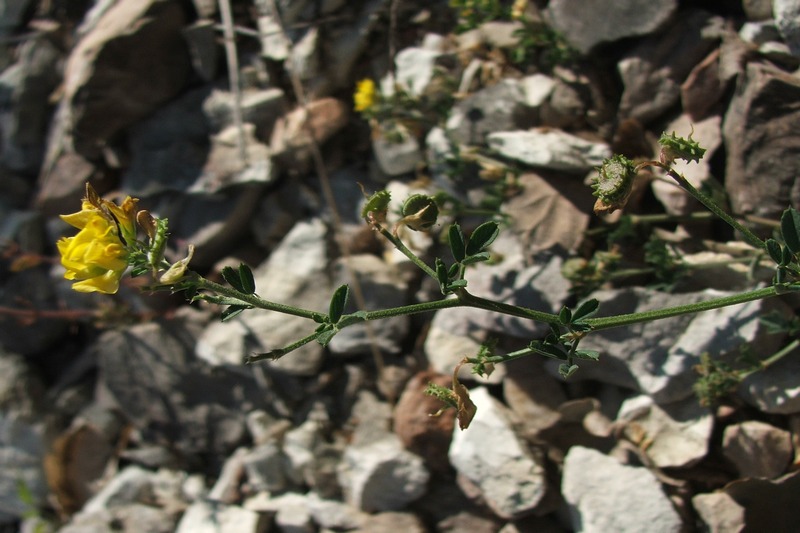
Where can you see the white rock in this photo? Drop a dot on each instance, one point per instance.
(382, 475)
(674, 435)
(719, 511)
(491, 456)
(208, 517)
(757, 449)
(604, 495)
(537, 89)
(552, 149)
(775, 389)
(396, 157)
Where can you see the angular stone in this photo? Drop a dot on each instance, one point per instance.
(757, 449)
(489, 454)
(495, 108)
(658, 358)
(774, 389)
(604, 495)
(294, 273)
(133, 60)
(674, 435)
(550, 149)
(771, 504)
(587, 24)
(208, 517)
(719, 512)
(787, 18)
(762, 139)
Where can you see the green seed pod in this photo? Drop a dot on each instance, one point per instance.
(674, 147)
(613, 184)
(376, 206)
(419, 212)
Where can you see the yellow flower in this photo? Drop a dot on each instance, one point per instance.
(518, 9)
(364, 96)
(98, 255)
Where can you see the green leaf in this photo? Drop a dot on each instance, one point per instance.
(457, 284)
(477, 258)
(774, 250)
(565, 315)
(585, 310)
(591, 355)
(231, 275)
(232, 311)
(248, 282)
(786, 256)
(790, 228)
(338, 301)
(325, 336)
(567, 370)
(441, 274)
(483, 236)
(457, 245)
(548, 350)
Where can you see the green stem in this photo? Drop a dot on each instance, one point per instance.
(748, 235)
(257, 301)
(274, 355)
(772, 359)
(715, 303)
(470, 300)
(406, 252)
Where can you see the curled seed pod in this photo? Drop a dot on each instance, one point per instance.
(674, 147)
(376, 205)
(613, 184)
(419, 212)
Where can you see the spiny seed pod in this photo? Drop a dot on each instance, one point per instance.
(674, 147)
(419, 212)
(376, 206)
(613, 184)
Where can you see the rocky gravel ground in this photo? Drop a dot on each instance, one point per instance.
(134, 412)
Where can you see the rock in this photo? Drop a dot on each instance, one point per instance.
(236, 157)
(757, 449)
(768, 504)
(653, 71)
(421, 433)
(708, 134)
(129, 486)
(205, 52)
(550, 149)
(762, 140)
(390, 522)
(133, 60)
(533, 395)
(416, 67)
(268, 469)
(587, 25)
(333, 514)
(604, 495)
(291, 138)
(22, 450)
(537, 89)
(382, 475)
(208, 517)
(291, 511)
(757, 9)
(304, 56)
(131, 517)
(658, 358)
(397, 156)
(491, 456)
(25, 88)
(719, 512)
(294, 273)
(674, 435)
(787, 18)
(275, 45)
(383, 286)
(259, 107)
(150, 373)
(495, 108)
(33, 289)
(774, 389)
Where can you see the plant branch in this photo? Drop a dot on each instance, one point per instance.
(257, 301)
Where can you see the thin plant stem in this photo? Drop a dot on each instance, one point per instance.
(257, 301)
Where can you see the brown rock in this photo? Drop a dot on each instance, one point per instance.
(427, 436)
(757, 449)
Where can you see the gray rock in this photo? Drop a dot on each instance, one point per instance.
(36, 288)
(787, 18)
(489, 454)
(235, 157)
(415, 67)
(125, 518)
(22, 451)
(150, 373)
(304, 56)
(260, 107)
(131, 485)
(382, 475)
(210, 517)
(588, 24)
(12, 14)
(383, 286)
(275, 44)
(762, 141)
(771, 504)
(131, 61)
(774, 389)
(674, 435)
(396, 157)
(658, 358)
(757, 449)
(550, 149)
(25, 88)
(294, 274)
(757, 9)
(333, 514)
(291, 510)
(537, 88)
(654, 70)
(719, 512)
(604, 495)
(268, 469)
(495, 108)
